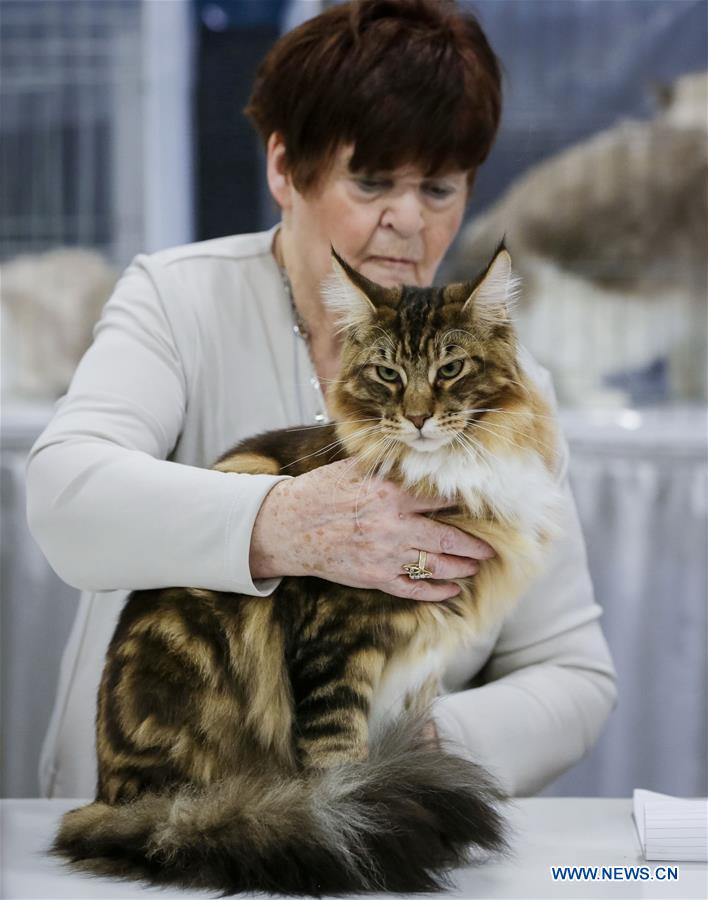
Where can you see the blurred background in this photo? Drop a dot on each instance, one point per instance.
(121, 132)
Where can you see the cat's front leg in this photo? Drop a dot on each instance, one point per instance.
(332, 688)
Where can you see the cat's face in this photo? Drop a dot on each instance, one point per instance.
(420, 366)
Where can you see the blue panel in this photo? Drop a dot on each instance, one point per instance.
(221, 15)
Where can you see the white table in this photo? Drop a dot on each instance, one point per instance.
(548, 831)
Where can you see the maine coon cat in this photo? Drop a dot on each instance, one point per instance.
(610, 239)
(279, 743)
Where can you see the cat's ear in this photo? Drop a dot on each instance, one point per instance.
(496, 290)
(349, 295)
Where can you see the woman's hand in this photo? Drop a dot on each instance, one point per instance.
(331, 524)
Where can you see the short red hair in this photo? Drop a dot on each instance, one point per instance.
(404, 81)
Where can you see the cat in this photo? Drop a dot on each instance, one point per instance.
(281, 743)
(610, 239)
(50, 304)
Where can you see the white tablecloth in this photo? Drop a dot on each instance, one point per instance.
(546, 832)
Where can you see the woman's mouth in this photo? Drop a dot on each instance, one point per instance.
(398, 266)
(394, 260)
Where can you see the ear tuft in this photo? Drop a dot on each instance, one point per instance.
(349, 303)
(497, 290)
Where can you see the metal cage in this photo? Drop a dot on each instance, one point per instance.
(71, 126)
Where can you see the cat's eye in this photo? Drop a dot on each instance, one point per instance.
(449, 370)
(386, 374)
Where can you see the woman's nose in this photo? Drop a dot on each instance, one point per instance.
(404, 214)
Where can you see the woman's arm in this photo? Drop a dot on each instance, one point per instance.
(103, 503)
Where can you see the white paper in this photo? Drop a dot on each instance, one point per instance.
(671, 828)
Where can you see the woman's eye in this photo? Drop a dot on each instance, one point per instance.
(449, 370)
(371, 185)
(386, 374)
(438, 191)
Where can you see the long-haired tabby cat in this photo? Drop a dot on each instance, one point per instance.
(280, 743)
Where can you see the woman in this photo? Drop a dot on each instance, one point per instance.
(376, 117)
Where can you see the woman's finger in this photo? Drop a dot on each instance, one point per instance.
(436, 537)
(444, 566)
(427, 591)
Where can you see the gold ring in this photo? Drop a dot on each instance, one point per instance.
(417, 570)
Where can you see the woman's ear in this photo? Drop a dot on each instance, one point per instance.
(279, 180)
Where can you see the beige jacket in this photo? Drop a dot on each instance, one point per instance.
(196, 350)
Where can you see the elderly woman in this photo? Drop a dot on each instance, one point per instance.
(376, 116)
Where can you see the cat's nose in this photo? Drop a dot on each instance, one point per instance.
(418, 421)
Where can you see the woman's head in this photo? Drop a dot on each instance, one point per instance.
(402, 82)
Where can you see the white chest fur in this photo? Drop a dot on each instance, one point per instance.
(517, 487)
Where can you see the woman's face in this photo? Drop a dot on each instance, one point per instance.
(394, 227)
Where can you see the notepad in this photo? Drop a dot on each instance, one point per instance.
(671, 828)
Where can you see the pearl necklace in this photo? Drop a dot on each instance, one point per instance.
(300, 332)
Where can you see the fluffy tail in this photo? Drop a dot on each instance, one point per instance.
(397, 822)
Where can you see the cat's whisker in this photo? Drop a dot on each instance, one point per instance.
(484, 453)
(395, 446)
(533, 438)
(369, 475)
(478, 455)
(455, 347)
(520, 384)
(329, 424)
(475, 423)
(391, 451)
(367, 351)
(534, 415)
(359, 433)
(385, 440)
(479, 450)
(510, 412)
(491, 430)
(387, 337)
(364, 486)
(450, 331)
(354, 461)
(390, 442)
(474, 451)
(521, 432)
